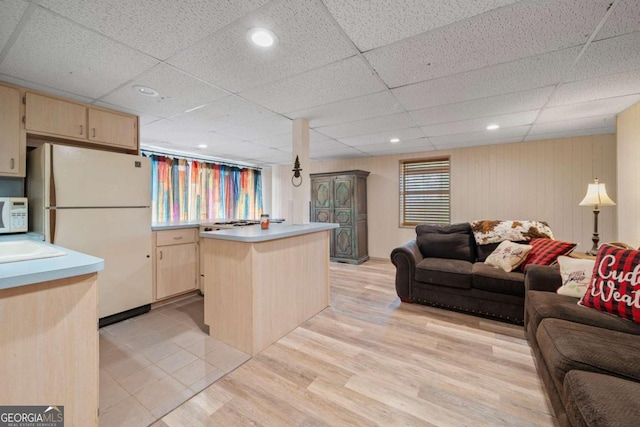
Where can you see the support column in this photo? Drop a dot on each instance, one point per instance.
(302, 193)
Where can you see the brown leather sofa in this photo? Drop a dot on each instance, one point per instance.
(589, 361)
(444, 267)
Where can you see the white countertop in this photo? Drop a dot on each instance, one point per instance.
(172, 225)
(254, 233)
(21, 273)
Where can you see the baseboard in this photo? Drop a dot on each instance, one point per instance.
(119, 317)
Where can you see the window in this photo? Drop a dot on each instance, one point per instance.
(425, 192)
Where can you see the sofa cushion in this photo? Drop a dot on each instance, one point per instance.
(494, 279)
(593, 399)
(446, 241)
(451, 246)
(576, 275)
(541, 305)
(615, 286)
(508, 255)
(546, 251)
(566, 346)
(453, 273)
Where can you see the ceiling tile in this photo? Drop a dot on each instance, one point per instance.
(347, 153)
(599, 107)
(227, 112)
(337, 81)
(569, 134)
(57, 53)
(572, 125)
(46, 89)
(529, 73)
(526, 28)
(276, 141)
(609, 56)
(408, 146)
(180, 92)
(504, 120)
(478, 143)
(274, 125)
(12, 11)
(368, 126)
(383, 137)
(157, 27)
(484, 136)
(625, 18)
(363, 107)
(326, 145)
(598, 88)
(509, 103)
(307, 39)
(374, 23)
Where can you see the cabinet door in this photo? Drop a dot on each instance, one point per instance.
(12, 144)
(113, 129)
(175, 269)
(55, 117)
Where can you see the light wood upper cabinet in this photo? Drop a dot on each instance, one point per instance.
(13, 148)
(64, 120)
(113, 129)
(54, 116)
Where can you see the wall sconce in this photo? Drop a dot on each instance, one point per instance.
(296, 173)
(596, 196)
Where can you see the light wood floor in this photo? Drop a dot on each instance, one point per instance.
(371, 360)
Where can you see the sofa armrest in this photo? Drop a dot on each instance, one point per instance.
(542, 278)
(405, 258)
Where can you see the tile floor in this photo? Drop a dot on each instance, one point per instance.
(152, 363)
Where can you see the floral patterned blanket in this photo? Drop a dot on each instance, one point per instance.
(495, 231)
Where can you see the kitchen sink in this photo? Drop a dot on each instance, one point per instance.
(24, 250)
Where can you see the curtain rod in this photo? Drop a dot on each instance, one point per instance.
(205, 159)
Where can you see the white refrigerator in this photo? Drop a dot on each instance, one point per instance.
(98, 203)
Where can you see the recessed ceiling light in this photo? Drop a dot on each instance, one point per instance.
(146, 91)
(262, 37)
(493, 127)
(202, 145)
(394, 140)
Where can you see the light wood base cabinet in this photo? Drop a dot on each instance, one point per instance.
(175, 262)
(49, 347)
(13, 145)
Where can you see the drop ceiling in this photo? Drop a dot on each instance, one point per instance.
(433, 73)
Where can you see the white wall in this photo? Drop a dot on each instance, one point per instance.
(542, 180)
(628, 135)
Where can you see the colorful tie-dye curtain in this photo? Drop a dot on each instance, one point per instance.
(193, 190)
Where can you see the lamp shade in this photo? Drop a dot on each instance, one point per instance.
(597, 195)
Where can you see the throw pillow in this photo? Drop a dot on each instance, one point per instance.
(508, 255)
(615, 286)
(451, 246)
(576, 275)
(547, 251)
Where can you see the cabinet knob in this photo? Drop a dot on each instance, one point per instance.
(13, 163)
(94, 132)
(160, 254)
(81, 130)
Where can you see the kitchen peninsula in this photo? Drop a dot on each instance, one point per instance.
(261, 284)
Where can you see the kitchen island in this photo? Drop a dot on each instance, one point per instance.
(49, 334)
(262, 284)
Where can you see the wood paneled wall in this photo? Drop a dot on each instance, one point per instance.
(542, 180)
(628, 144)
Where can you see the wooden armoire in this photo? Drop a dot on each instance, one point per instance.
(341, 197)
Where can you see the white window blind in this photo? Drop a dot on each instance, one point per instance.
(425, 192)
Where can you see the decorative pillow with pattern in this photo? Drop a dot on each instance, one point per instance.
(496, 231)
(547, 251)
(576, 275)
(615, 285)
(508, 255)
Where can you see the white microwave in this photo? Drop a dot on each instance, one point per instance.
(13, 215)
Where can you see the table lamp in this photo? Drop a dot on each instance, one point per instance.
(596, 196)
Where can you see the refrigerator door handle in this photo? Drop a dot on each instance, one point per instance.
(52, 182)
(52, 225)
